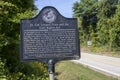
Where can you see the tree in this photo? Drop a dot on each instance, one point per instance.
(11, 11)
(107, 12)
(10, 14)
(104, 14)
(86, 12)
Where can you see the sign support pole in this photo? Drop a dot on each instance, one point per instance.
(51, 69)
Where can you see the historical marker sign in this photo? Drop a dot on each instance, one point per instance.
(49, 36)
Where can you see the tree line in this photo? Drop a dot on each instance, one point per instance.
(99, 22)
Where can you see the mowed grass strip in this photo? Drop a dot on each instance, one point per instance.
(67, 70)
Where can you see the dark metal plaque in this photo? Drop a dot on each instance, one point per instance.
(49, 35)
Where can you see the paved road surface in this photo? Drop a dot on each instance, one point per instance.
(104, 64)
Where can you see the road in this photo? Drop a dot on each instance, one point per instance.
(104, 64)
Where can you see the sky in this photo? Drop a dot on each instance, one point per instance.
(63, 6)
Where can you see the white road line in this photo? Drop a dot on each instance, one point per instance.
(103, 64)
(109, 73)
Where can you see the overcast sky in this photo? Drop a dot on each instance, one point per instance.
(63, 6)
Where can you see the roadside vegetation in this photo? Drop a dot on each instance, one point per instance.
(99, 23)
(11, 11)
(72, 71)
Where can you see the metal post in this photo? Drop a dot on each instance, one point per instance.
(51, 69)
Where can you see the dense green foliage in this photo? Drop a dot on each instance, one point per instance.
(99, 22)
(11, 11)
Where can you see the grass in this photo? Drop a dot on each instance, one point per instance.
(71, 71)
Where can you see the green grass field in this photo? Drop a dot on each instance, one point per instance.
(71, 71)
